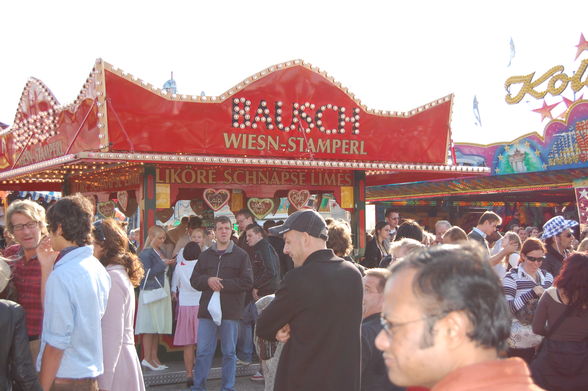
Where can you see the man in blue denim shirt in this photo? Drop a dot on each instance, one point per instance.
(76, 295)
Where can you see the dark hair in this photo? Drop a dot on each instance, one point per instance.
(74, 214)
(185, 220)
(409, 229)
(572, 280)
(194, 222)
(268, 224)
(458, 277)
(112, 238)
(391, 210)
(339, 238)
(532, 244)
(223, 220)
(255, 228)
(489, 216)
(245, 213)
(191, 251)
(379, 226)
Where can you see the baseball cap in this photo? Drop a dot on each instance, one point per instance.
(308, 221)
(556, 225)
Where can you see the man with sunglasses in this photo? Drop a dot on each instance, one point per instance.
(558, 237)
(445, 323)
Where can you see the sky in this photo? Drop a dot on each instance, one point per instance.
(393, 55)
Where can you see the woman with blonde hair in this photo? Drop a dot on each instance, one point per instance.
(154, 317)
(122, 370)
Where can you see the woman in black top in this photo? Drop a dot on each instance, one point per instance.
(377, 248)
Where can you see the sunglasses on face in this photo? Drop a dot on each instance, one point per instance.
(535, 259)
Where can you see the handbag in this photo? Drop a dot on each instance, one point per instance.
(525, 314)
(153, 295)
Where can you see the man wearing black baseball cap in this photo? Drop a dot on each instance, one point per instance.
(317, 312)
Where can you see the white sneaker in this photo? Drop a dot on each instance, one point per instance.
(243, 363)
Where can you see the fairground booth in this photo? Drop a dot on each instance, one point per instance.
(288, 137)
(532, 178)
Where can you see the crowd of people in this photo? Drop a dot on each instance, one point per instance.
(443, 311)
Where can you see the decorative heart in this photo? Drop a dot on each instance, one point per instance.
(298, 198)
(106, 209)
(197, 206)
(260, 207)
(123, 199)
(164, 215)
(131, 207)
(216, 199)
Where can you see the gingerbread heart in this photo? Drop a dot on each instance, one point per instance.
(260, 207)
(164, 215)
(298, 198)
(216, 199)
(123, 199)
(197, 206)
(106, 209)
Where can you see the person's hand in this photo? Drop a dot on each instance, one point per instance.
(174, 296)
(510, 247)
(215, 283)
(45, 254)
(171, 261)
(254, 293)
(283, 334)
(538, 290)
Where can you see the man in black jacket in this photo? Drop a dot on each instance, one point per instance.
(223, 268)
(374, 375)
(265, 264)
(316, 312)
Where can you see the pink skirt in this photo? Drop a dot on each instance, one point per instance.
(187, 325)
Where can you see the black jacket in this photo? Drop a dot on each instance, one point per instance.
(16, 363)
(266, 268)
(474, 235)
(234, 268)
(321, 301)
(374, 375)
(553, 261)
(373, 254)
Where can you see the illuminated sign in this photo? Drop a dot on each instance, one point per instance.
(556, 80)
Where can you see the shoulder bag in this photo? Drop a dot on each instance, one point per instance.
(153, 295)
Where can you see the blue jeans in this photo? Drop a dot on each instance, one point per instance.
(245, 342)
(207, 334)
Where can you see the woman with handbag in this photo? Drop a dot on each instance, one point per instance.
(562, 317)
(122, 370)
(523, 286)
(154, 314)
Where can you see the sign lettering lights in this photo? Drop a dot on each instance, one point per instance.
(329, 120)
(557, 82)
